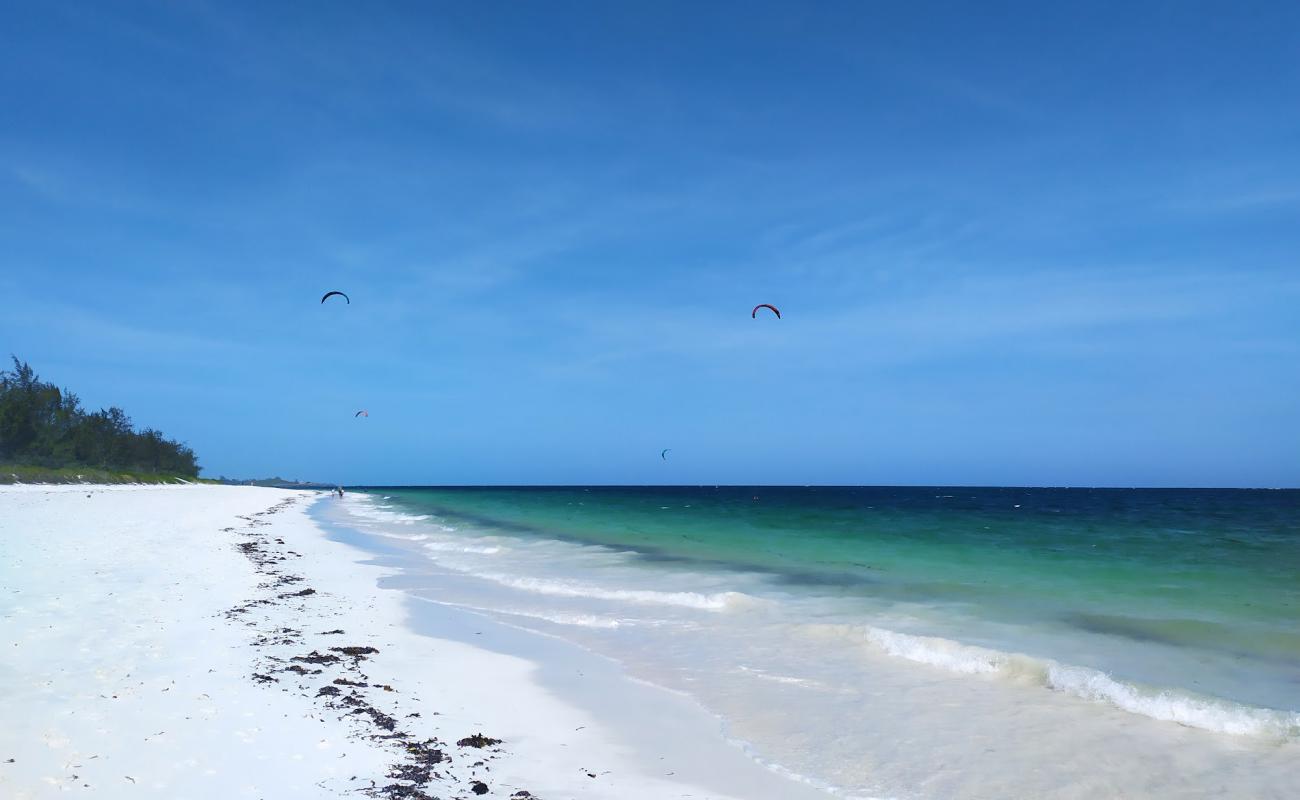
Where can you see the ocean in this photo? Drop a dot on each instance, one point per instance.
(918, 642)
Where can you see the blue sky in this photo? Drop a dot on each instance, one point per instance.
(1012, 244)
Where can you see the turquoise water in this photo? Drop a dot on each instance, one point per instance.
(1168, 606)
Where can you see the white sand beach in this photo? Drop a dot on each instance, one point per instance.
(214, 642)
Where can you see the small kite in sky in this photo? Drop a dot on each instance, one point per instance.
(328, 295)
(361, 413)
(754, 314)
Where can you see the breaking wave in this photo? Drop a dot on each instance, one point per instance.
(719, 601)
(1170, 705)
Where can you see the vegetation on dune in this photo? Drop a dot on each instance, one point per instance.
(25, 473)
(46, 431)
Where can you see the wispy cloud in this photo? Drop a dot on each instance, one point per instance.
(1070, 314)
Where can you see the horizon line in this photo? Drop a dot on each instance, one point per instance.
(805, 486)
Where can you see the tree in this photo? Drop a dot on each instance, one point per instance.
(45, 426)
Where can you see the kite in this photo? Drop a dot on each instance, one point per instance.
(775, 310)
(361, 413)
(328, 295)
(664, 454)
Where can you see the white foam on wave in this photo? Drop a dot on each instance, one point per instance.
(390, 517)
(719, 601)
(775, 678)
(378, 513)
(936, 652)
(366, 508)
(406, 537)
(462, 547)
(1170, 705)
(576, 620)
(1207, 713)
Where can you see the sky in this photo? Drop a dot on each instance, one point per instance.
(1012, 243)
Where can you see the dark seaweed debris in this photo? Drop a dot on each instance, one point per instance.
(477, 740)
(421, 764)
(401, 791)
(317, 658)
(379, 718)
(355, 652)
(425, 752)
(411, 772)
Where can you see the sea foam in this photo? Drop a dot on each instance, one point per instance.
(367, 508)
(719, 601)
(1171, 705)
(462, 547)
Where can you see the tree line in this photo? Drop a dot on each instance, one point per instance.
(41, 425)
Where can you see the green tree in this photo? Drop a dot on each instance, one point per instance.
(44, 426)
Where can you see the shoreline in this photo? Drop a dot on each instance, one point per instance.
(674, 734)
(226, 601)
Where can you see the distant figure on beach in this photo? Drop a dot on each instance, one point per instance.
(340, 491)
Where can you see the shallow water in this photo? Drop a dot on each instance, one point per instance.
(915, 642)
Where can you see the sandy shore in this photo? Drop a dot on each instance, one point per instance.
(196, 642)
